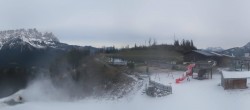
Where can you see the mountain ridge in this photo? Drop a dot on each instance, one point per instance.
(29, 36)
(214, 49)
(30, 47)
(238, 51)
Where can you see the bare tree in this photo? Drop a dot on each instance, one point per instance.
(149, 42)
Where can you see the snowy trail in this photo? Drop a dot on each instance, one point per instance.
(193, 95)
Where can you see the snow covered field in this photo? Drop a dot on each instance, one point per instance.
(193, 95)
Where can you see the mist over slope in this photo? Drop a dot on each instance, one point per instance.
(23, 53)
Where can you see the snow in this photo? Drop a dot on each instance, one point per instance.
(30, 36)
(215, 49)
(192, 95)
(236, 74)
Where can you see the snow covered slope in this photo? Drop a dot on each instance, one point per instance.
(193, 95)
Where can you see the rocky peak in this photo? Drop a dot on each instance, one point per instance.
(27, 36)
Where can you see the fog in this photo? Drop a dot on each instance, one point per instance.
(42, 94)
(43, 90)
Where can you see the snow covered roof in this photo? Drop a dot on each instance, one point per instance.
(207, 53)
(228, 55)
(236, 74)
(217, 54)
(204, 53)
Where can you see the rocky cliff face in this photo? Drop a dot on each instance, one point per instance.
(30, 37)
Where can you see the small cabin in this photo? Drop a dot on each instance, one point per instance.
(234, 79)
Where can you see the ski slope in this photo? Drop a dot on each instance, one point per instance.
(193, 95)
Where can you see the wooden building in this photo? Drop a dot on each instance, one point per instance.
(234, 79)
(201, 55)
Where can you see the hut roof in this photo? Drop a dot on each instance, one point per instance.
(236, 74)
(209, 54)
(204, 53)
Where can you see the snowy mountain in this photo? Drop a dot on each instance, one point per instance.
(28, 47)
(29, 38)
(238, 51)
(27, 51)
(214, 49)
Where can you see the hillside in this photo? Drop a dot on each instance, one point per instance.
(150, 54)
(190, 95)
(162, 52)
(27, 55)
(238, 51)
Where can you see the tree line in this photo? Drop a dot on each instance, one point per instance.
(182, 46)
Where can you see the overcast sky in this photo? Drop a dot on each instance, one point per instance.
(210, 23)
